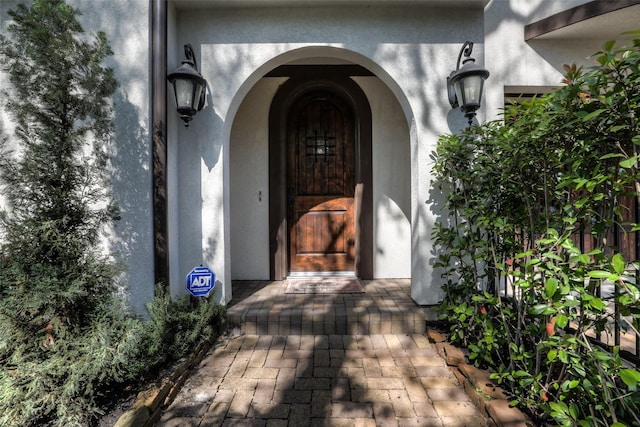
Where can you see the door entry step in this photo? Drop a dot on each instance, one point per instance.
(323, 285)
(323, 274)
(263, 308)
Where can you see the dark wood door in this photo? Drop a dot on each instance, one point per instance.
(321, 183)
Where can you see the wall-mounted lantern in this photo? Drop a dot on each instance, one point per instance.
(464, 85)
(189, 86)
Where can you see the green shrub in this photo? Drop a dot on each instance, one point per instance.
(67, 341)
(518, 292)
(175, 328)
(58, 381)
(64, 382)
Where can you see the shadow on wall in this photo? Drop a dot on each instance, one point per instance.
(424, 218)
(559, 52)
(200, 195)
(501, 15)
(5, 7)
(210, 148)
(440, 215)
(437, 196)
(131, 186)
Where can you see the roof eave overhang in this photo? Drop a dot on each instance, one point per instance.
(595, 20)
(197, 4)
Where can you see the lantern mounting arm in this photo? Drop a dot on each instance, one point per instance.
(190, 57)
(466, 50)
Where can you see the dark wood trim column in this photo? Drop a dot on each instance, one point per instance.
(159, 143)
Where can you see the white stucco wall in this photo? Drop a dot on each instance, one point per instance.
(411, 50)
(5, 7)
(249, 182)
(127, 25)
(514, 62)
(391, 153)
(6, 125)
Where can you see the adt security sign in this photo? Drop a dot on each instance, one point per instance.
(200, 281)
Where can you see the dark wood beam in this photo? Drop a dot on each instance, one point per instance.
(327, 71)
(159, 142)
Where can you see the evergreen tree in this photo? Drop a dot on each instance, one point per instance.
(58, 311)
(67, 342)
(55, 189)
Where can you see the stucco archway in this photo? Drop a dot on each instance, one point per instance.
(320, 55)
(248, 187)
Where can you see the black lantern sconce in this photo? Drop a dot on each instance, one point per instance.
(189, 86)
(464, 85)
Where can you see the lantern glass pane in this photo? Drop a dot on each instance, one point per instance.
(184, 93)
(472, 89)
(457, 86)
(197, 95)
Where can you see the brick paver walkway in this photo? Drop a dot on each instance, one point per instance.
(322, 380)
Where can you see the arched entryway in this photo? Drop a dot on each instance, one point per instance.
(320, 174)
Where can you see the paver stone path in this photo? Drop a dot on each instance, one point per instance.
(322, 380)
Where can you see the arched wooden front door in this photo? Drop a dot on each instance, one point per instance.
(320, 173)
(321, 183)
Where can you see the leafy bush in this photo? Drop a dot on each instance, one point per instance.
(519, 292)
(67, 340)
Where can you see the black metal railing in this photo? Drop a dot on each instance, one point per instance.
(621, 331)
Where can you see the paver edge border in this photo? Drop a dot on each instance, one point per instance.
(489, 398)
(150, 402)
